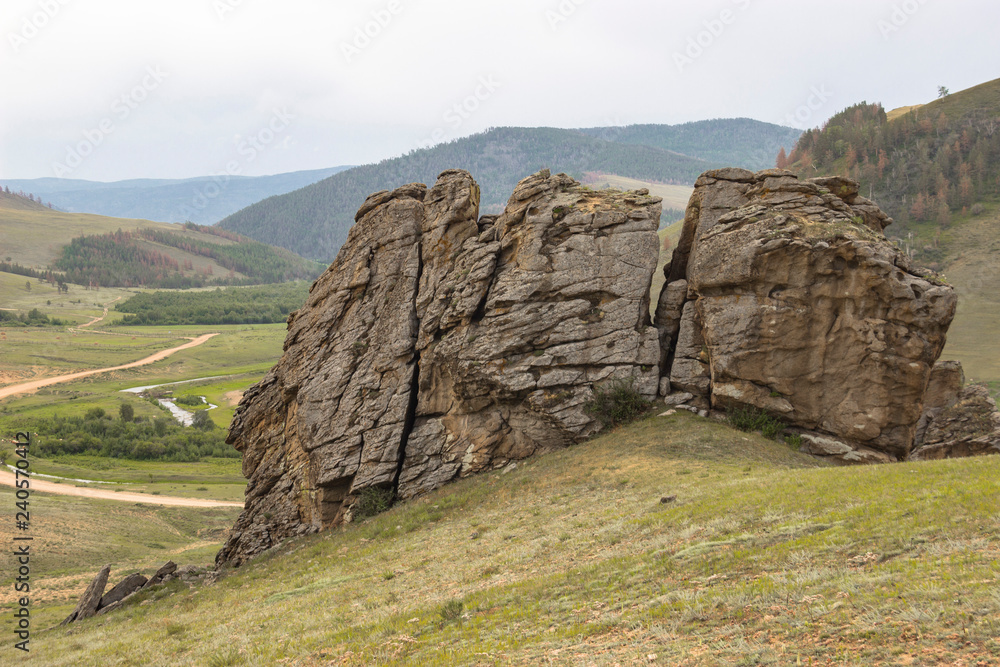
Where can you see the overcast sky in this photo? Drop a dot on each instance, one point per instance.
(115, 89)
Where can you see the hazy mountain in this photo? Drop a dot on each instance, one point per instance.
(314, 221)
(734, 142)
(204, 200)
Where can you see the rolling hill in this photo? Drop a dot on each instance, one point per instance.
(314, 221)
(735, 142)
(756, 555)
(91, 249)
(204, 200)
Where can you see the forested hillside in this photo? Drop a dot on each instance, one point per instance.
(144, 258)
(735, 142)
(923, 166)
(314, 221)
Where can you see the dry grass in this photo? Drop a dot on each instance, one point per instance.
(766, 557)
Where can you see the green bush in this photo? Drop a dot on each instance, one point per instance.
(202, 421)
(371, 501)
(749, 418)
(618, 402)
(452, 611)
(188, 399)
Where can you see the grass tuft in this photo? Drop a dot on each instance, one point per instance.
(749, 418)
(617, 403)
(372, 501)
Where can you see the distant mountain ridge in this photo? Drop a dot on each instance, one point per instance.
(734, 142)
(204, 200)
(315, 220)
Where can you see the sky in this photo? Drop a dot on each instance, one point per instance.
(116, 89)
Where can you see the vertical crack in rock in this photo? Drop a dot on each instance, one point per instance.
(439, 344)
(411, 406)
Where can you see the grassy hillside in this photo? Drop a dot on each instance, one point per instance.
(733, 142)
(33, 235)
(675, 197)
(764, 557)
(314, 221)
(115, 252)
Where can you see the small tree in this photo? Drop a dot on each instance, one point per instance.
(943, 92)
(126, 412)
(782, 160)
(27, 285)
(202, 420)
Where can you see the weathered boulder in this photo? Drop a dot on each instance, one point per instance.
(943, 389)
(121, 590)
(967, 426)
(91, 598)
(160, 575)
(440, 343)
(799, 306)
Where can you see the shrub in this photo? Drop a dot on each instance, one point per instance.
(749, 418)
(452, 611)
(188, 399)
(618, 402)
(371, 501)
(202, 421)
(977, 209)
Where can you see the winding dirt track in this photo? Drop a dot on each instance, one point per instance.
(8, 478)
(35, 385)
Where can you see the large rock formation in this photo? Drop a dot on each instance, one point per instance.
(439, 344)
(792, 301)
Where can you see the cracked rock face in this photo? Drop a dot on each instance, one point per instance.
(439, 344)
(796, 304)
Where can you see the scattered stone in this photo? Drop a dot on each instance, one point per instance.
(91, 598)
(668, 413)
(124, 588)
(679, 398)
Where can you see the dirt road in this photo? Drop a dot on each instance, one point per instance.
(35, 385)
(96, 319)
(7, 479)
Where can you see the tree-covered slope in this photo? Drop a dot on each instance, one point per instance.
(923, 166)
(734, 142)
(314, 221)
